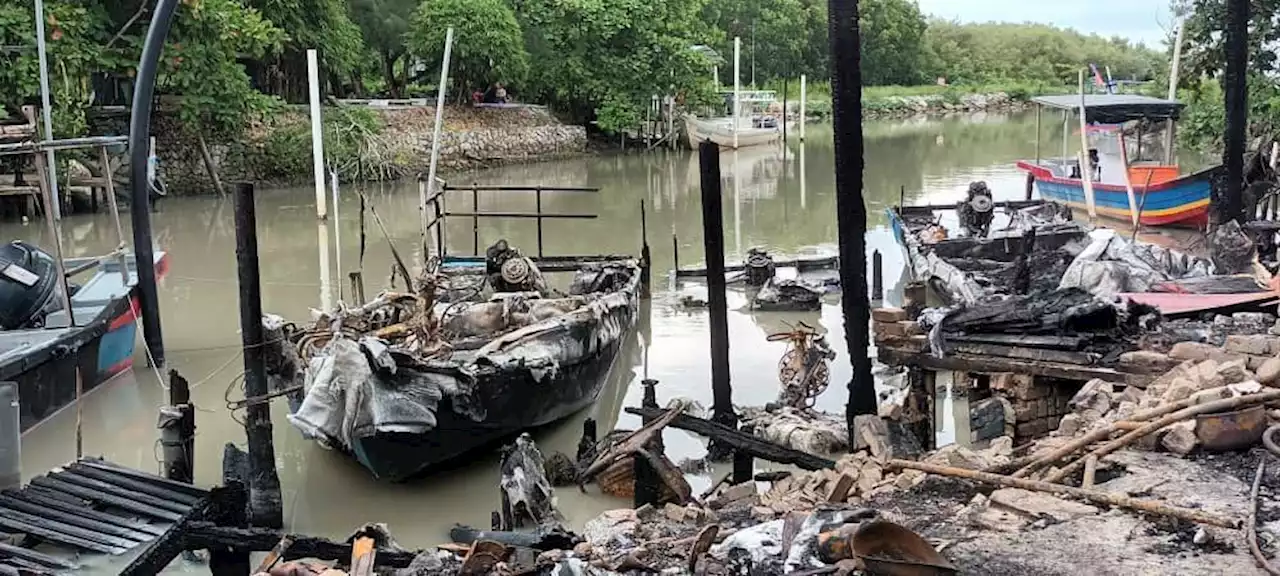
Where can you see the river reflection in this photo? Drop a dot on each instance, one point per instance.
(780, 198)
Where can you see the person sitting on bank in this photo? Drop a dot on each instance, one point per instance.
(496, 94)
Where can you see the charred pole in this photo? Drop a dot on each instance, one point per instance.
(851, 213)
(265, 505)
(1228, 205)
(717, 303)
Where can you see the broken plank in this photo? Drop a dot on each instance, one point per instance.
(993, 365)
(169, 545)
(73, 478)
(107, 499)
(1069, 343)
(29, 567)
(1022, 353)
(67, 529)
(757, 447)
(55, 536)
(135, 485)
(144, 477)
(202, 535)
(74, 519)
(39, 498)
(11, 551)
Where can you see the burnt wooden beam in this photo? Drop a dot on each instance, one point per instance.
(107, 488)
(135, 485)
(39, 499)
(201, 535)
(1023, 353)
(11, 551)
(56, 536)
(167, 547)
(740, 442)
(74, 519)
(68, 529)
(960, 362)
(144, 477)
(108, 499)
(1069, 343)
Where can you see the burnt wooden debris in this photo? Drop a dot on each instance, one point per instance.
(90, 506)
(740, 441)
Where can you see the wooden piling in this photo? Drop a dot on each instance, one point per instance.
(1228, 203)
(877, 277)
(646, 261)
(265, 505)
(1031, 182)
(851, 212)
(744, 464)
(718, 307)
(675, 254)
(648, 483)
(178, 434)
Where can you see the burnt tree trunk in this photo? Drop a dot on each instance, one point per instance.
(1228, 204)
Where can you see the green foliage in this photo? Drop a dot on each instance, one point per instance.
(1001, 52)
(320, 24)
(892, 42)
(280, 148)
(487, 43)
(72, 54)
(200, 64)
(605, 59)
(384, 24)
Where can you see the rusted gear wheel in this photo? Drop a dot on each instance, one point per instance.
(789, 369)
(817, 383)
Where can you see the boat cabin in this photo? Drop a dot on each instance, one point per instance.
(1132, 172)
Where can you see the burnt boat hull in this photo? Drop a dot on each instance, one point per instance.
(513, 402)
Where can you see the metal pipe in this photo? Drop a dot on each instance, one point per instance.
(139, 131)
(803, 101)
(737, 88)
(317, 133)
(851, 212)
(435, 133)
(46, 110)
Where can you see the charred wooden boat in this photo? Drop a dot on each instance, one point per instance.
(482, 350)
(42, 347)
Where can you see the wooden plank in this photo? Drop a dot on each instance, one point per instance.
(75, 520)
(201, 535)
(69, 477)
(11, 551)
(68, 499)
(67, 529)
(996, 364)
(1053, 342)
(59, 537)
(145, 477)
(84, 511)
(137, 485)
(29, 567)
(757, 447)
(1022, 352)
(108, 499)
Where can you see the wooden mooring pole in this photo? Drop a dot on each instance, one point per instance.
(265, 506)
(648, 483)
(713, 247)
(178, 431)
(851, 213)
(1228, 200)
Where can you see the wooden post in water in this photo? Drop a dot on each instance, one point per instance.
(1228, 204)
(646, 270)
(713, 246)
(675, 255)
(265, 505)
(648, 483)
(851, 213)
(877, 277)
(784, 112)
(177, 431)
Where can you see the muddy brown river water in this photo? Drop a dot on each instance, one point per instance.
(781, 199)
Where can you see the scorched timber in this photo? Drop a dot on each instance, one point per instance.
(995, 364)
(757, 447)
(204, 535)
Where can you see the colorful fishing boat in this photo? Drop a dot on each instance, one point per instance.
(42, 348)
(1125, 179)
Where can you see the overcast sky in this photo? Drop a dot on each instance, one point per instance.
(1138, 20)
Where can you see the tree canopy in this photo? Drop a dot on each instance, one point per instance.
(487, 43)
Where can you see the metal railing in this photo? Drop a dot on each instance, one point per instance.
(439, 212)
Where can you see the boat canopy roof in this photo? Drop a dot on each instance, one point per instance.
(1114, 108)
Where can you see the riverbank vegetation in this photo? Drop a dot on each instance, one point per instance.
(230, 64)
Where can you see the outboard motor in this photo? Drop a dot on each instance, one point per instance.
(28, 286)
(977, 211)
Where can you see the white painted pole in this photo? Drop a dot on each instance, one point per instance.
(715, 75)
(326, 277)
(1173, 92)
(317, 136)
(337, 230)
(1128, 183)
(803, 189)
(1086, 169)
(427, 191)
(804, 99)
(737, 87)
(46, 110)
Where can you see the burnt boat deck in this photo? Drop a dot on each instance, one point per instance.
(92, 506)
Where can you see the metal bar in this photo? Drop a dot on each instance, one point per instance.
(61, 144)
(50, 210)
(516, 188)
(477, 215)
(108, 499)
(538, 196)
(1008, 204)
